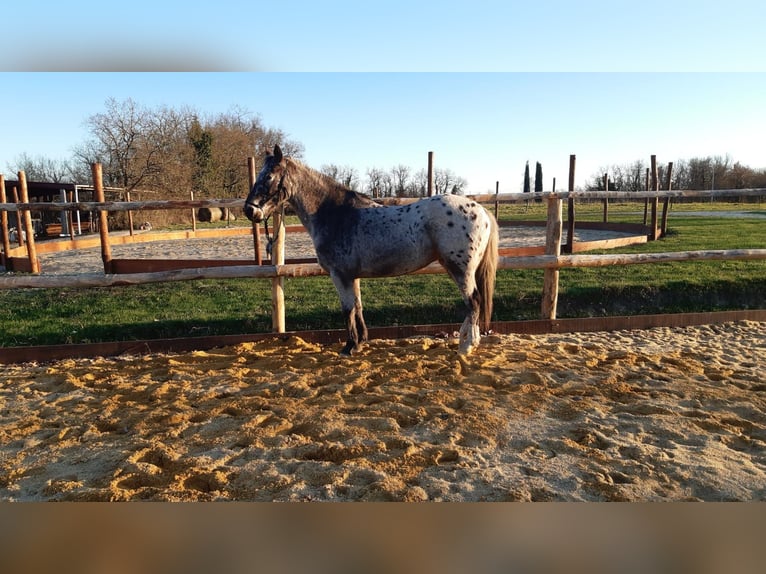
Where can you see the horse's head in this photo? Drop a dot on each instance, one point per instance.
(269, 190)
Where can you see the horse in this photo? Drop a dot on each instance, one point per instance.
(355, 237)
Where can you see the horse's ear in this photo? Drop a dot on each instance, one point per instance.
(278, 153)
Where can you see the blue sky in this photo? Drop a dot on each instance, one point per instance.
(482, 126)
(386, 35)
(376, 84)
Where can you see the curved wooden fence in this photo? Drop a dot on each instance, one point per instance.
(552, 261)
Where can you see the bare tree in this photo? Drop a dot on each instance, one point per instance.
(44, 169)
(711, 172)
(175, 151)
(419, 184)
(739, 177)
(345, 175)
(446, 182)
(378, 183)
(622, 177)
(121, 145)
(400, 176)
(169, 143)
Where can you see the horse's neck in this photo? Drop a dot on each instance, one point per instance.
(312, 191)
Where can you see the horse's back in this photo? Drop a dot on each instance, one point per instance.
(379, 241)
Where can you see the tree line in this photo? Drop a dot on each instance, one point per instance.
(177, 151)
(169, 151)
(699, 173)
(398, 181)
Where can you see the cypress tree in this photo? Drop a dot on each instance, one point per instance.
(526, 179)
(538, 180)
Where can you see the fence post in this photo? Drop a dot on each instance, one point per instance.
(666, 203)
(606, 199)
(655, 200)
(193, 213)
(103, 225)
(130, 215)
(553, 232)
(278, 283)
(34, 264)
(571, 207)
(497, 200)
(646, 200)
(430, 173)
(4, 223)
(256, 233)
(70, 217)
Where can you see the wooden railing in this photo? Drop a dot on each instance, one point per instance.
(551, 262)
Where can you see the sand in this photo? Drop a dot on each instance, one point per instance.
(660, 414)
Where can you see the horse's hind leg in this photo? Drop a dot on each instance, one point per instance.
(470, 333)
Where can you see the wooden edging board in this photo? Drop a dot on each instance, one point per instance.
(48, 353)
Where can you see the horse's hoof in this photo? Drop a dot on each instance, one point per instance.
(351, 349)
(465, 349)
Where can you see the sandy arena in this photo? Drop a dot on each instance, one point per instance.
(661, 414)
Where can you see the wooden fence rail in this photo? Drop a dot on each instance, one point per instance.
(297, 270)
(481, 198)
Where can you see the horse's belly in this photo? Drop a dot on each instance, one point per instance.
(394, 258)
(382, 242)
(394, 263)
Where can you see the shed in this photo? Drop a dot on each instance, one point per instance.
(51, 223)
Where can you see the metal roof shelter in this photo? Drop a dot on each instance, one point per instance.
(50, 192)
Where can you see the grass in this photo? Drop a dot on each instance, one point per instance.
(208, 307)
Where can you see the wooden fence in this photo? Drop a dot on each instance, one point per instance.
(552, 261)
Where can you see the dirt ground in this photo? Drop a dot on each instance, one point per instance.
(660, 414)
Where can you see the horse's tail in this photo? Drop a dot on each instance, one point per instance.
(485, 276)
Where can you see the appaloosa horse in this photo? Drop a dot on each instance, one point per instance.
(355, 237)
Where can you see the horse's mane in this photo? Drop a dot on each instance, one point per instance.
(309, 178)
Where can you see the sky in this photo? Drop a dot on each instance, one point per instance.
(485, 85)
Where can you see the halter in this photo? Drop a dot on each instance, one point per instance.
(279, 191)
(270, 240)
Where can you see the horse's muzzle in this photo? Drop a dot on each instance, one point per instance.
(253, 213)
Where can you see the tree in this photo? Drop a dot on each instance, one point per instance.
(345, 175)
(44, 169)
(526, 179)
(446, 182)
(378, 183)
(698, 173)
(624, 177)
(175, 151)
(201, 141)
(121, 144)
(740, 177)
(538, 178)
(400, 176)
(236, 135)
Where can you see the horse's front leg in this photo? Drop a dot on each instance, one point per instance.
(351, 306)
